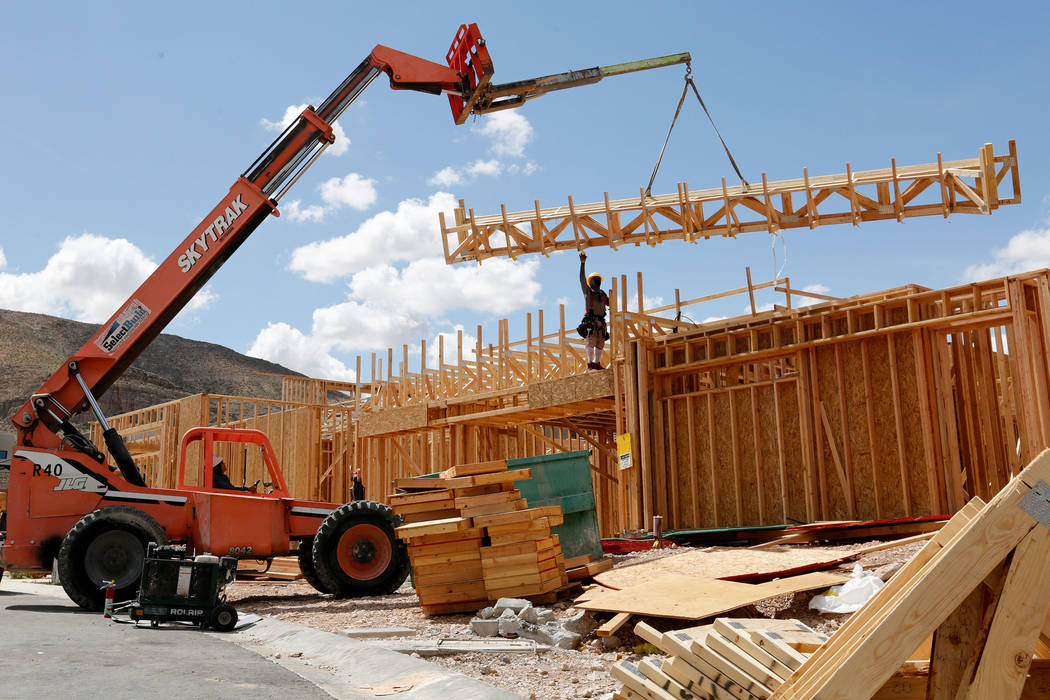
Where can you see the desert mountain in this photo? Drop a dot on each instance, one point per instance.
(33, 346)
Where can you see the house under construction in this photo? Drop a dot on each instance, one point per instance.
(901, 402)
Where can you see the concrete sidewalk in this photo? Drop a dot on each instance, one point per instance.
(338, 665)
(351, 668)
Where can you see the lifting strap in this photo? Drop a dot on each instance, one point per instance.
(681, 100)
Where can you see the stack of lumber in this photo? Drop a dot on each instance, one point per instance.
(734, 659)
(472, 538)
(980, 587)
(276, 569)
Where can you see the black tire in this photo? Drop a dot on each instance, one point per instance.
(306, 565)
(223, 618)
(356, 553)
(106, 544)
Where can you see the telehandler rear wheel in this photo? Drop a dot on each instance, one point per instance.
(356, 552)
(108, 544)
(306, 565)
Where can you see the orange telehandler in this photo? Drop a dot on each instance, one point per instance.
(67, 506)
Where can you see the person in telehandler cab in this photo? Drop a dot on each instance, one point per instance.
(596, 302)
(219, 479)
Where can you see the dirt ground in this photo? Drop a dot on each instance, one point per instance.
(550, 675)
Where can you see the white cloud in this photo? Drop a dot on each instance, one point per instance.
(650, 302)
(299, 214)
(816, 288)
(508, 131)
(447, 177)
(3, 259)
(1028, 250)
(353, 325)
(431, 287)
(87, 279)
(470, 343)
(281, 343)
(351, 191)
(411, 232)
(387, 307)
(292, 112)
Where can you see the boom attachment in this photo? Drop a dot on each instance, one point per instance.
(493, 98)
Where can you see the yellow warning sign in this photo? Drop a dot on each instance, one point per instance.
(623, 449)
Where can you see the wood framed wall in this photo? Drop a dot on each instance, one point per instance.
(906, 404)
(313, 443)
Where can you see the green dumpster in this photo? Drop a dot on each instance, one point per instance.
(564, 480)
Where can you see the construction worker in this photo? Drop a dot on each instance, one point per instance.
(596, 302)
(357, 493)
(219, 479)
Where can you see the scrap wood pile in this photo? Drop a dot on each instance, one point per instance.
(472, 538)
(732, 659)
(979, 592)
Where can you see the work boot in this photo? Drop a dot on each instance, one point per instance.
(594, 365)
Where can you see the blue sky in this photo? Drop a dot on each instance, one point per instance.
(126, 122)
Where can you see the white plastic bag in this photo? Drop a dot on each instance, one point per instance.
(850, 596)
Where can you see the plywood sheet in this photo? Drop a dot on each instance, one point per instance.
(718, 562)
(693, 598)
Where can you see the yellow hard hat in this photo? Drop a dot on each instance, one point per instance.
(594, 275)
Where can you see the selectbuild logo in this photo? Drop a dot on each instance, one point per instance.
(120, 330)
(217, 228)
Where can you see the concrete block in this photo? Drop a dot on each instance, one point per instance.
(510, 626)
(528, 615)
(515, 604)
(487, 613)
(582, 623)
(484, 628)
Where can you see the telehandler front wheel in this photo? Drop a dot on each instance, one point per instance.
(356, 552)
(108, 544)
(306, 565)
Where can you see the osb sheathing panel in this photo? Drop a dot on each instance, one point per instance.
(745, 454)
(726, 481)
(859, 439)
(890, 485)
(826, 391)
(581, 387)
(915, 458)
(706, 477)
(392, 420)
(796, 475)
(679, 455)
(769, 457)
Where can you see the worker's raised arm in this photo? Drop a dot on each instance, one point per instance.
(583, 273)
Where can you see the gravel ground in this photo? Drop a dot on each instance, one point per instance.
(554, 674)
